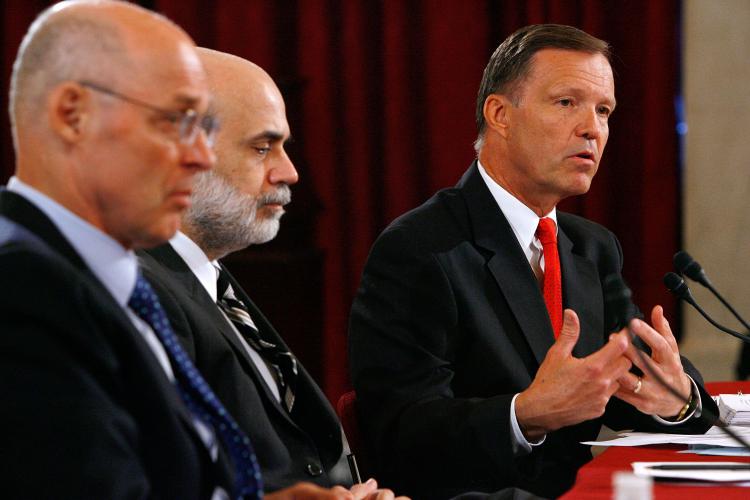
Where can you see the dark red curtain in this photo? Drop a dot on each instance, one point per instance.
(381, 95)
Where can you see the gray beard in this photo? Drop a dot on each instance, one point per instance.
(222, 219)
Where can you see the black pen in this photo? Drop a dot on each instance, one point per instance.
(689, 466)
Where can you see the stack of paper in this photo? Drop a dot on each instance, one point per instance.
(714, 437)
(734, 409)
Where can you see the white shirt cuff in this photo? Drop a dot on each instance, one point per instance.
(695, 413)
(520, 445)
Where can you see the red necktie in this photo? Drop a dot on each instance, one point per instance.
(552, 287)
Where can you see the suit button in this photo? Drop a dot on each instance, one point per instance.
(314, 470)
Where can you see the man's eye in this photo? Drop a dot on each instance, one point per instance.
(605, 111)
(263, 151)
(173, 118)
(566, 102)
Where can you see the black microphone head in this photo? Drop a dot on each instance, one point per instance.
(677, 286)
(618, 302)
(689, 267)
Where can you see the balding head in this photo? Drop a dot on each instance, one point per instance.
(234, 80)
(79, 40)
(241, 201)
(103, 86)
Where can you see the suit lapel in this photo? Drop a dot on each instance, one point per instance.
(267, 332)
(507, 263)
(23, 212)
(581, 293)
(306, 389)
(204, 305)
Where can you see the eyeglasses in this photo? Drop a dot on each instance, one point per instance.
(187, 123)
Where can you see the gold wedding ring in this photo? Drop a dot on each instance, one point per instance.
(638, 386)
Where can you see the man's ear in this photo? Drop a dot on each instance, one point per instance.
(68, 108)
(497, 113)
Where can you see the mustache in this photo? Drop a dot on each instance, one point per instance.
(280, 195)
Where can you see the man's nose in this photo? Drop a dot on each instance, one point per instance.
(590, 126)
(283, 171)
(199, 154)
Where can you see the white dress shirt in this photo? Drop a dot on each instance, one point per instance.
(207, 273)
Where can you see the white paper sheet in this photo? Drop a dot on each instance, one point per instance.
(714, 437)
(728, 476)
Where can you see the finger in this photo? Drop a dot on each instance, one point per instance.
(362, 490)
(629, 382)
(342, 493)
(635, 356)
(384, 494)
(660, 349)
(569, 332)
(628, 396)
(661, 325)
(613, 349)
(620, 367)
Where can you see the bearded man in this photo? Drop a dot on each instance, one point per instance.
(294, 430)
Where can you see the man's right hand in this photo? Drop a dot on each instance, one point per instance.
(308, 491)
(568, 390)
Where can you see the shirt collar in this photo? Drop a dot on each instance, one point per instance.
(205, 270)
(114, 265)
(521, 218)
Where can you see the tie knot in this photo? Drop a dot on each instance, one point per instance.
(222, 284)
(546, 231)
(143, 298)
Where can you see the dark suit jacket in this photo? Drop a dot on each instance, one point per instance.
(449, 323)
(305, 445)
(87, 411)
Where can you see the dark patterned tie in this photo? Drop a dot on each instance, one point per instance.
(197, 395)
(282, 361)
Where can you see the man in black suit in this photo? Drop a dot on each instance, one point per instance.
(107, 105)
(295, 432)
(469, 373)
(89, 408)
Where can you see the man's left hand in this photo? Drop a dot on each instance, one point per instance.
(646, 393)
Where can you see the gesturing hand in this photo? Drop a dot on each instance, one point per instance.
(568, 390)
(652, 398)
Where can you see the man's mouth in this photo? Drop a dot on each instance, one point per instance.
(277, 199)
(586, 155)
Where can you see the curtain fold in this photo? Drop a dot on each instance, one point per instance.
(383, 115)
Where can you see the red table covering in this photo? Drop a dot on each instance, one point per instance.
(594, 480)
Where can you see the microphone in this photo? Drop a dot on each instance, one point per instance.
(617, 294)
(618, 302)
(621, 310)
(677, 286)
(689, 267)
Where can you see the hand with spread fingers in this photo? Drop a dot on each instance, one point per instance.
(645, 392)
(567, 390)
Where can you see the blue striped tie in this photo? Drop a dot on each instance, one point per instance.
(197, 395)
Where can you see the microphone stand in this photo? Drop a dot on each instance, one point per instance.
(690, 267)
(618, 295)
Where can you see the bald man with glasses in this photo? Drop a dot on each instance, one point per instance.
(107, 106)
